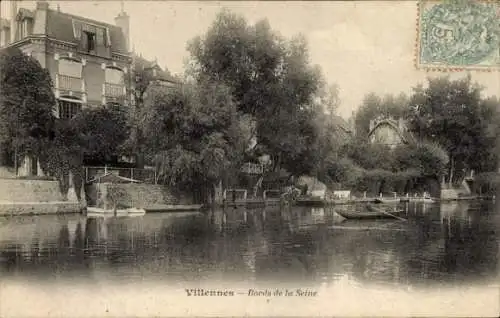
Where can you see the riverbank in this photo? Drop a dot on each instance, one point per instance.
(319, 202)
(39, 208)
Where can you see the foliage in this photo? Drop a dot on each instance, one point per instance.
(374, 106)
(368, 156)
(428, 158)
(26, 105)
(194, 136)
(453, 114)
(117, 197)
(102, 131)
(327, 97)
(269, 78)
(95, 132)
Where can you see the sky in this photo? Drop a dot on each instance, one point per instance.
(362, 46)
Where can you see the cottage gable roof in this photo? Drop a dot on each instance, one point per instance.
(397, 125)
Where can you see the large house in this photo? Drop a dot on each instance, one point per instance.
(88, 60)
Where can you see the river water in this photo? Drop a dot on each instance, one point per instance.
(75, 265)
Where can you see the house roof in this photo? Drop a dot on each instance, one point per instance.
(60, 26)
(341, 123)
(343, 131)
(143, 64)
(405, 135)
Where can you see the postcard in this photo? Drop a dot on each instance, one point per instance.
(249, 158)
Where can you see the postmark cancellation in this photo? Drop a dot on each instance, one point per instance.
(458, 34)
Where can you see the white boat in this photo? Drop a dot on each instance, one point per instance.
(387, 200)
(425, 199)
(93, 211)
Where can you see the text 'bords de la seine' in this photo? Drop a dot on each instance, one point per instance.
(252, 292)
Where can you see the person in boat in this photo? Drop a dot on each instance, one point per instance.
(304, 189)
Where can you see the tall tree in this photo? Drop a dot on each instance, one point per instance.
(270, 79)
(374, 106)
(26, 105)
(102, 131)
(453, 114)
(193, 136)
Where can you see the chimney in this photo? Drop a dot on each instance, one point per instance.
(42, 5)
(123, 22)
(13, 21)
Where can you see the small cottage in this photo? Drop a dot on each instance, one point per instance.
(389, 131)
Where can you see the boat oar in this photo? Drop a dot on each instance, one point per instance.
(394, 216)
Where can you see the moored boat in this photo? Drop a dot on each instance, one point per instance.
(387, 200)
(310, 201)
(173, 208)
(423, 199)
(369, 213)
(126, 211)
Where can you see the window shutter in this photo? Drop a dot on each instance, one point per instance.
(77, 30)
(84, 41)
(100, 36)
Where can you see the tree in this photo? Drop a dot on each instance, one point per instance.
(102, 131)
(63, 154)
(328, 97)
(429, 159)
(26, 105)
(193, 136)
(374, 106)
(269, 78)
(452, 114)
(97, 133)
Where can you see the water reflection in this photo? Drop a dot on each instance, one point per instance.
(438, 244)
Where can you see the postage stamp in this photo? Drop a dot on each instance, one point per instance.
(458, 34)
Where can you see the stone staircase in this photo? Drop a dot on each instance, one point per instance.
(456, 191)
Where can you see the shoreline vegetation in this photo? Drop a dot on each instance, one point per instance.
(249, 95)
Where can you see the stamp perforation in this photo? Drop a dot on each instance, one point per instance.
(443, 67)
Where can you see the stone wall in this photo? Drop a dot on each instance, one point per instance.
(142, 195)
(449, 194)
(39, 208)
(21, 190)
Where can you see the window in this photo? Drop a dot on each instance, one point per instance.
(100, 34)
(25, 26)
(70, 68)
(68, 110)
(89, 41)
(114, 76)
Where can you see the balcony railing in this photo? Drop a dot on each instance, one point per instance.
(69, 83)
(114, 90)
(252, 168)
(143, 175)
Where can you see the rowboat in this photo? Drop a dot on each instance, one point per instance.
(310, 201)
(119, 212)
(370, 213)
(173, 208)
(387, 200)
(423, 199)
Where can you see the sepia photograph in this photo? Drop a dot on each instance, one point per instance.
(249, 158)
